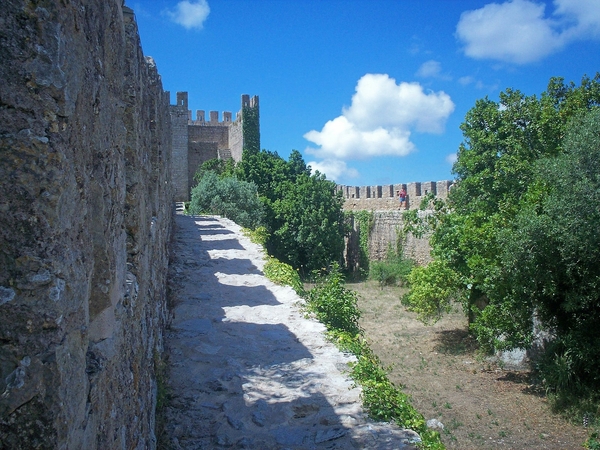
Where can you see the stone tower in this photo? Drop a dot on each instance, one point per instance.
(197, 141)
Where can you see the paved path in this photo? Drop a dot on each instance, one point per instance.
(246, 369)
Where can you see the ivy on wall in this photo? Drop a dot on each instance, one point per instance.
(251, 128)
(363, 223)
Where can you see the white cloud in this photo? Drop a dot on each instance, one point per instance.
(519, 32)
(451, 158)
(432, 69)
(585, 14)
(333, 169)
(190, 14)
(380, 120)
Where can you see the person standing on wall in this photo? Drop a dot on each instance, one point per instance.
(402, 197)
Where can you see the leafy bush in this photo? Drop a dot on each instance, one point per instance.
(283, 274)
(228, 197)
(303, 212)
(336, 307)
(259, 235)
(432, 289)
(394, 270)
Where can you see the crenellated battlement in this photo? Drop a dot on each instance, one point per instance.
(385, 197)
(205, 137)
(213, 118)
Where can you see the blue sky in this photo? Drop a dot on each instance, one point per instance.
(370, 92)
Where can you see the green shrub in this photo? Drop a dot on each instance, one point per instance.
(283, 274)
(334, 305)
(432, 290)
(228, 197)
(259, 235)
(392, 271)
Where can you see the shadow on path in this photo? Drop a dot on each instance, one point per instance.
(246, 370)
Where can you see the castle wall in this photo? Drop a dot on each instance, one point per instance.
(84, 227)
(373, 198)
(236, 140)
(196, 141)
(179, 143)
(204, 141)
(383, 202)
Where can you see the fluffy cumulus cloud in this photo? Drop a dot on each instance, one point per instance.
(333, 168)
(190, 14)
(380, 120)
(520, 32)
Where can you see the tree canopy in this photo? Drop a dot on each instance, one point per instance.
(301, 211)
(519, 230)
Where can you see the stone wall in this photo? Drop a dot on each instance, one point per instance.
(385, 232)
(373, 198)
(383, 202)
(179, 143)
(85, 220)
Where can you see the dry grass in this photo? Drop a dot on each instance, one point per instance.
(481, 405)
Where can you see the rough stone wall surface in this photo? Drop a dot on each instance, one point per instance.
(387, 226)
(85, 219)
(198, 153)
(386, 229)
(179, 143)
(236, 140)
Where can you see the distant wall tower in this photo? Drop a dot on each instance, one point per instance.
(179, 142)
(251, 123)
(197, 141)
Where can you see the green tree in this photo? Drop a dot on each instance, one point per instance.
(303, 211)
(551, 256)
(495, 180)
(309, 223)
(229, 197)
(221, 167)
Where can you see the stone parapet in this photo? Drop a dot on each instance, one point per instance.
(372, 198)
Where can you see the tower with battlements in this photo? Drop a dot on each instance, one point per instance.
(195, 141)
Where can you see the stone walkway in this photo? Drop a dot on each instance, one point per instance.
(246, 369)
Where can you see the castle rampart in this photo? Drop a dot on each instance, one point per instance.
(197, 141)
(385, 197)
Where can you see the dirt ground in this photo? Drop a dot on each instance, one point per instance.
(481, 405)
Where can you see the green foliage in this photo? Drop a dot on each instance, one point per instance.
(521, 225)
(259, 235)
(395, 269)
(336, 307)
(303, 212)
(228, 197)
(251, 128)
(283, 274)
(332, 304)
(363, 221)
(310, 219)
(593, 442)
(433, 288)
(222, 168)
(551, 256)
